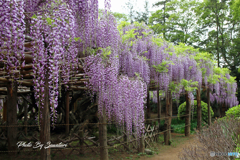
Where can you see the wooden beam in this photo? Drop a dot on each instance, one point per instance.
(29, 84)
(75, 88)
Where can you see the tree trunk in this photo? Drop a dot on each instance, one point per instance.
(199, 109)
(67, 112)
(208, 103)
(103, 136)
(12, 116)
(218, 57)
(188, 115)
(45, 123)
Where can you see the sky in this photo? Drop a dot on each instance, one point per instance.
(119, 5)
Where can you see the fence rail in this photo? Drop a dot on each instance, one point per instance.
(82, 143)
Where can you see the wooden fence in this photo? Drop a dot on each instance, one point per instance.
(81, 142)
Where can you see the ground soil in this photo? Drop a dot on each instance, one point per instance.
(171, 152)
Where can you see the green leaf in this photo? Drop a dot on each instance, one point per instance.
(49, 20)
(34, 16)
(77, 39)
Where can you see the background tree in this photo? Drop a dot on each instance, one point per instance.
(158, 19)
(129, 7)
(143, 16)
(212, 21)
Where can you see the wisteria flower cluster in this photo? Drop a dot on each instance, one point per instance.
(54, 50)
(12, 27)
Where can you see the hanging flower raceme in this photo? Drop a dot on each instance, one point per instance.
(224, 89)
(12, 27)
(122, 98)
(134, 45)
(53, 50)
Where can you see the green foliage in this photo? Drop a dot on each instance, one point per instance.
(129, 35)
(106, 52)
(189, 85)
(122, 25)
(77, 39)
(161, 68)
(175, 21)
(158, 40)
(120, 17)
(234, 111)
(220, 73)
(183, 49)
(49, 21)
(235, 8)
(182, 110)
(34, 16)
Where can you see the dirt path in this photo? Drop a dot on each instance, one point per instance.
(171, 152)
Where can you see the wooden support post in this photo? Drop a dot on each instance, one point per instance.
(170, 114)
(5, 111)
(25, 115)
(45, 123)
(223, 110)
(199, 109)
(32, 115)
(141, 147)
(159, 108)
(166, 123)
(148, 107)
(81, 141)
(125, 137)
(103, 136)
(12, 116)
(208, 103)
(188, 116)
(67, 112)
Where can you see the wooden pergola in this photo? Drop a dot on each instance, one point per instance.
(14, 88)
(11, 89)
